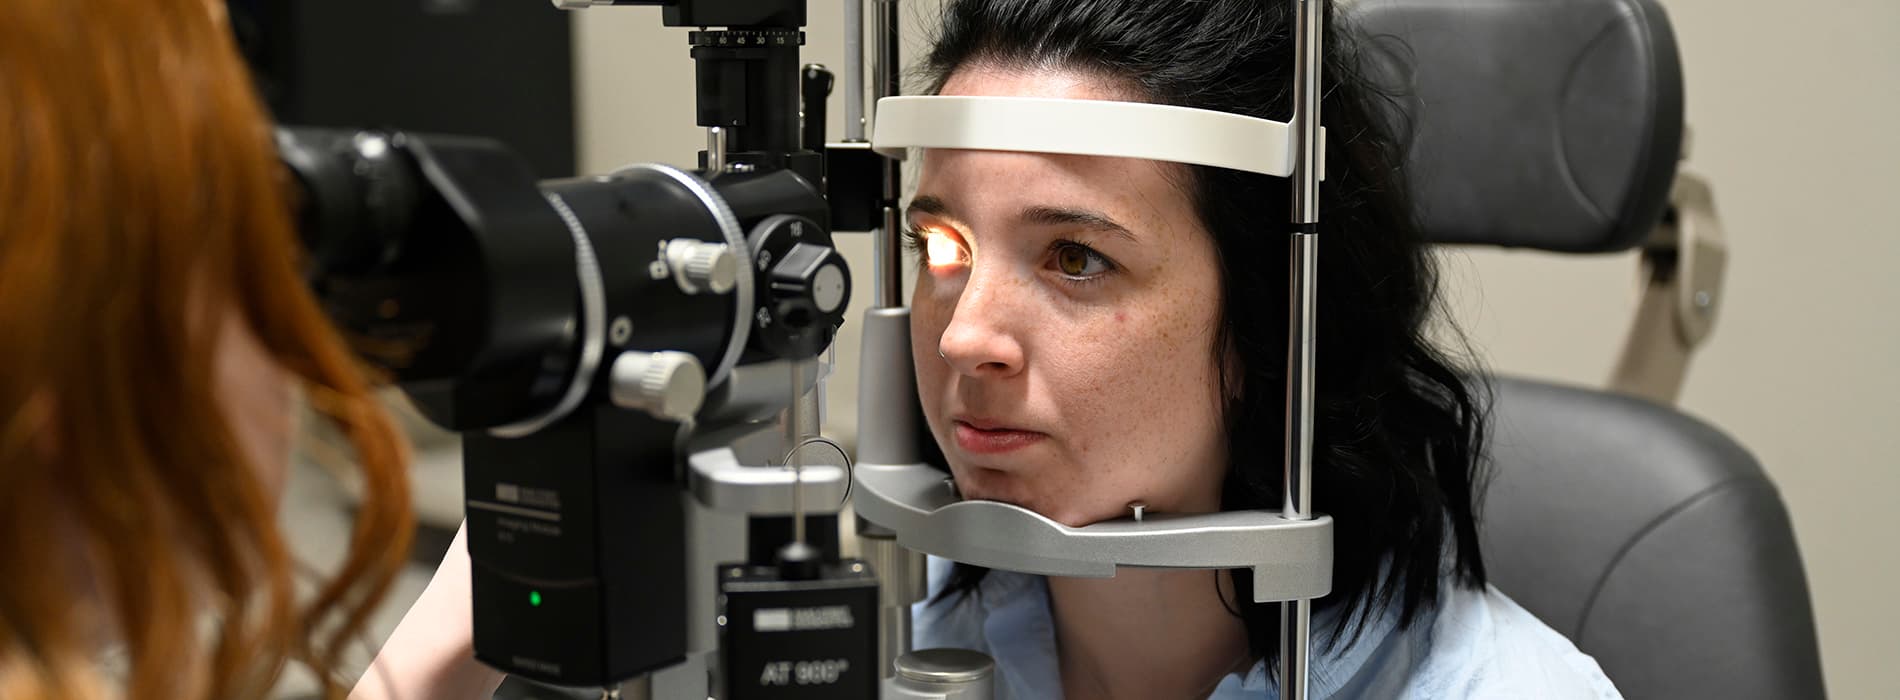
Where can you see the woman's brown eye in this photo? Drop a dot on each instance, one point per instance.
(1072, 260)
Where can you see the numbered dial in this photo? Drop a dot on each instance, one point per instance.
(805, 286)
(746, 38)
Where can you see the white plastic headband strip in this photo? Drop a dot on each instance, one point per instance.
(1088, 128)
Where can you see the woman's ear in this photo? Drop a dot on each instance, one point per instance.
(1233, 374)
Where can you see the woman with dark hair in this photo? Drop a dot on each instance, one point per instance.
(1092, 332)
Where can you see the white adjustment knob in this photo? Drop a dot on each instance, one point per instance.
(669, 385)
(699, 266)
(827, 288)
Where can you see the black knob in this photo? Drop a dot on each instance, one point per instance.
(809, 286)
(806, 287)
(814, 86)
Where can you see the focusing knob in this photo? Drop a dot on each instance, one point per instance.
(804, 286)
(809, 285)
(699, 266)
(669, 385)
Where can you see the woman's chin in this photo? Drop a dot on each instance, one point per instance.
(1046, 506)
(1072, 518)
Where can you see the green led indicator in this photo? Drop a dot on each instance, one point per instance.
(534, 598)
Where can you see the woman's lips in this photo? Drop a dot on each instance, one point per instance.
(994, 441)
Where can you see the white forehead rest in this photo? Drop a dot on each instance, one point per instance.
(1087, 128)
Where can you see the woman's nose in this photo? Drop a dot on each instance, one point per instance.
(981, 339)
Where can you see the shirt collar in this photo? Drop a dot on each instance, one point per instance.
(1020, 633)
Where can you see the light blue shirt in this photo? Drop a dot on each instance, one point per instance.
(1477, 644)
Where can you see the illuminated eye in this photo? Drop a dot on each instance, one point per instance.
(941, 250)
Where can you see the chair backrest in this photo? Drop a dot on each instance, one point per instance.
(1650, 539)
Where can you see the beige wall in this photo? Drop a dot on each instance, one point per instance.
(1793, 106)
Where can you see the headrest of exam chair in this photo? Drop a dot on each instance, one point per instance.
(1547, 124)
(1557, 125)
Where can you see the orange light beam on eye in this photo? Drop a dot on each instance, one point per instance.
(940, 250)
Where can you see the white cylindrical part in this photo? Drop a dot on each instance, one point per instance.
(827, 288)
(669, 385)
(715, 151)
(701, 266)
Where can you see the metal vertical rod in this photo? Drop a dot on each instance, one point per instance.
(715, 151)
(1303, 302)
(1311, 17)
(1296, 616)
(901, 570)
(900, 574)
(854, 70)
(1302, 305)
(889, 267)
(794, 440)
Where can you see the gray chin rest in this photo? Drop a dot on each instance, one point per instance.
(1547, 124)
(1290, 559)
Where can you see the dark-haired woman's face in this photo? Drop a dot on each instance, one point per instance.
(1074, 301)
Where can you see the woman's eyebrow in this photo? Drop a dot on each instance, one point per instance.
(929, 205)
(1035, 216)
(1083, 218)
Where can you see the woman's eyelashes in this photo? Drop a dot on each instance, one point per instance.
(1074, 262)
(935, 248)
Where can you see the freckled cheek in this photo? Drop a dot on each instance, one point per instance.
(1138, 405)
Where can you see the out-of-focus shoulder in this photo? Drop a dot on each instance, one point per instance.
(1482, 644)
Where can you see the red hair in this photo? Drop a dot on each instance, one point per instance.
(141, 202)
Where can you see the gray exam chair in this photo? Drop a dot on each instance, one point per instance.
(1649, 538)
